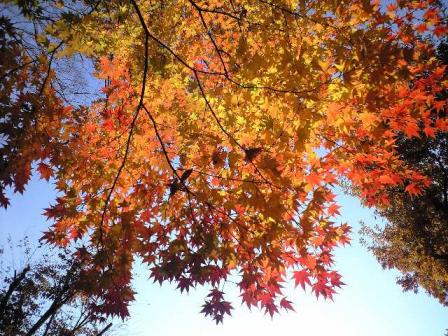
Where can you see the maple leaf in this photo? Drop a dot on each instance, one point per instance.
(392, 7)
(335, 279)
(386, 179)
(216, 307)
(326, 258)
(301, 278)
(333, 210)
(313, 179)
(411, 129)
(430, 131)
(286, 304)
(270, 308)
(248, 298)
(439, 105)
(318, 241)
(21, 178)
(413, 189)
(321, 288)
(369, 120)
(45, 171)
(421, 28)
(430, 13)
(310, 262)
(4, 201)
(440, 31)
(184, 284)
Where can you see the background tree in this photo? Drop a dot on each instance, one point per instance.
(222, 130)
(415, 238)
(43, 298)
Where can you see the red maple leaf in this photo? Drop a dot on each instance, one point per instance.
(286, 304)
(4, 201)
(321, 288)
(301, 278)
(184, 284)
(439, 31)
(335, 279)
(421, 28)
(270, 308)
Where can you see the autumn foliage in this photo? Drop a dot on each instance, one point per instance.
(220, 134)
(415, 239)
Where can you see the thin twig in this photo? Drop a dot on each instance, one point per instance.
(128, 142)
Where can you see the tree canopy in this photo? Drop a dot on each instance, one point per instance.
(415, 240)
(220, 132)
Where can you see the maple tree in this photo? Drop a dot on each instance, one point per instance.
(415, 239)
(220, 134)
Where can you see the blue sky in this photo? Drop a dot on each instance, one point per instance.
(371, 304)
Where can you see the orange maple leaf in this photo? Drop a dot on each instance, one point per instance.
(313, 179)
(421, 28)
(411, 129)
(439, 31)
(386, 179)
(413, 189)
(333, 210)
(392, 7)
(45, 171)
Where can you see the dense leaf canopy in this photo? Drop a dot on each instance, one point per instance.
(415, 240)
(221, 130)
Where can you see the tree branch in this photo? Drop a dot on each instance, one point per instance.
(14, 284)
